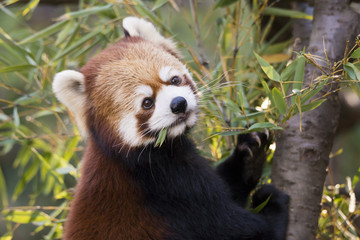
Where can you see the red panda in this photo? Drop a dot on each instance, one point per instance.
(131, 189)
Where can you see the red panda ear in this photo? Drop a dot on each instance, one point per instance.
(138, 27)
(69, 88)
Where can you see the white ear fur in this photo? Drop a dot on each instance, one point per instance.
(134, 26)
(69, 88)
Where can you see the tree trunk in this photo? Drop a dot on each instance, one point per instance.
(301, 157)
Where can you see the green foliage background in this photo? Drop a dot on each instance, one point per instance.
(225, 47)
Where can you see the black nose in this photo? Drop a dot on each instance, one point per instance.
(178, 105)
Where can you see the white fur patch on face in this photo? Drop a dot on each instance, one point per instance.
(167, 72)
(163, 117)
(128, 130)
(144, 90)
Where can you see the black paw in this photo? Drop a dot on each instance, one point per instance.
(276, 210)
(278, 200)
(252, 149)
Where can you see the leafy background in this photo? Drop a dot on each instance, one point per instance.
(245, 70)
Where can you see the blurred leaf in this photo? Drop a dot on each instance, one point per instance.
(78, 43)
(356, 53)
(13, 46)
(45, 32)
(69, 28)
(224, 3)
(17, 68)
(262, 126)
(65, 170)
(352, 71)
(252, 115)
(26, 177)
(4, 117)
(279, 101)
(268, 69)
(7, 236)
(3, 190)
(299, 75)
(276, 58)
(232, 106)
(306, 96)
(281, 12)
(158, 4)
(7, 145)
(86, 12)
(30, 7)
(20, 216)
(16, 117)
(287, 75)
(47, 166)
(311, 106)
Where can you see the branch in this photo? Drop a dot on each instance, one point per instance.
(301, 158)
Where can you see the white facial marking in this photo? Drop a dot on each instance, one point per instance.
(128, 130)
(163, 117)
(144, 90)
(167, 72)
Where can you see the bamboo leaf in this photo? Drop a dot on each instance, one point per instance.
(17, 68)
(262, 126)
(20, 216)
(77, 44)
(228, 133)
(281, 12)
(7, 236)
(27, 176)
(310, 106)
(270, 72)
(3, 191)
(224, 3)
(16, 117)
(352, 71)
(356, 53)
(159, 4)
(299, 75)
(312, 92)
(86, 12)
(279, 101)
(69, 28)
(30, 7)
(45, 32)
(14, 46)
(261, 206)
(251, 115)
(232, 106)
(161, 138)
(288, 72)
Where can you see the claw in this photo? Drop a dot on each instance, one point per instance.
(267, 133)
(257, 138)
(244, 147)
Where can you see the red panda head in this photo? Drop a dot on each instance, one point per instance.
(132, 90)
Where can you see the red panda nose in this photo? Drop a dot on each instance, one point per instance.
(178, 105)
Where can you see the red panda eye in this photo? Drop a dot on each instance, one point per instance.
(175, 80)
(147, 103)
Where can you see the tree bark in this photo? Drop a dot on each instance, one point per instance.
(301, 157)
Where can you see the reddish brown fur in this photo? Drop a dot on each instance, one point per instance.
(107, 201)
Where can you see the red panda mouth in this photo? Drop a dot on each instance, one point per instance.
(181, 119)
